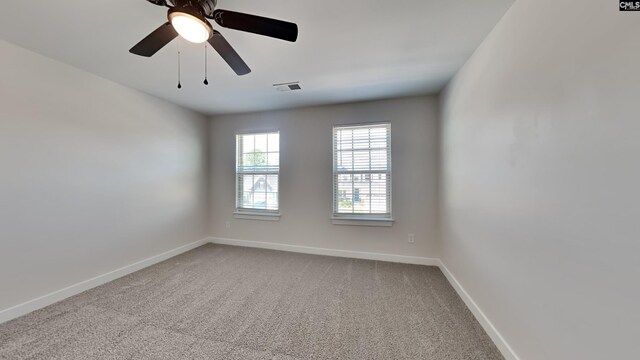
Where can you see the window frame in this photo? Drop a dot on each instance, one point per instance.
(253, 213)
(362, 219)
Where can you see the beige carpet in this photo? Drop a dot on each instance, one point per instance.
(223, 302)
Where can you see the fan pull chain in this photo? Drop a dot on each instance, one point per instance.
(206, 81)
(179, 82)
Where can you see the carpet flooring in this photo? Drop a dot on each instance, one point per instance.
(224, 302)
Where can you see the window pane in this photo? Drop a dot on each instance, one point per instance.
(260, 202)
(361, 196)
(361, 160)
(364, 149)
(379, 189)
(378, 138)
(379, 184)
(344, 198)
(273, 160)
(379, 160)
(361, 138)
(247, 200)
(247, 182)
(362, 193)
(257, 189)
(272, 201)
(379, 204)
(345, 161)
(247, 143)
(344, 139)
(261, 143)
(274, 142)
(272, 183)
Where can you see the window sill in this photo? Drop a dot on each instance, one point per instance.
(257, 216)
(362, 221)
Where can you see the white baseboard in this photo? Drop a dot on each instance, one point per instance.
(416, 260)
(488, 327)
(59, 295)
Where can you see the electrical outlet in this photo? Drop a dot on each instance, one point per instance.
(227, 224)
(412, 238)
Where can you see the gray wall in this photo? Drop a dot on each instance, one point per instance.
(541, 172)
(93, 176)
(306, 177)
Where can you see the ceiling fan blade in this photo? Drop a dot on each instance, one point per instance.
(256, 24)
(155, 41)
(229, 55)
(158, 2)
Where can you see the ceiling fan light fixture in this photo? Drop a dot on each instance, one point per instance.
(189, 19)
(190, 25)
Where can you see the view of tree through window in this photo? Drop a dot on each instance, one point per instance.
(257, 171)
(362, 170)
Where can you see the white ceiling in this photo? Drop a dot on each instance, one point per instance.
(347, 50)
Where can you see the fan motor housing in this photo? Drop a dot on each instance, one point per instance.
(207, 6)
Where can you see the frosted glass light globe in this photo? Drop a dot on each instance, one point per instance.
(190, 27)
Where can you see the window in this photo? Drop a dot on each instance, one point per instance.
(257, 173)
(362, 172)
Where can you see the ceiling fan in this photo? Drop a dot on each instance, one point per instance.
(188, 18)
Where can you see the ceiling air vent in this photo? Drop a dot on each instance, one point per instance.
(292, 86)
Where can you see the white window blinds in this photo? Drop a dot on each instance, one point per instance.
(362, 170)
(257, 172)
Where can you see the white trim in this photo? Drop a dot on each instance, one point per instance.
(488, 327)
(265, 216)
(59, 295)
(484, 321)
(416, 260)
(362, 221)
